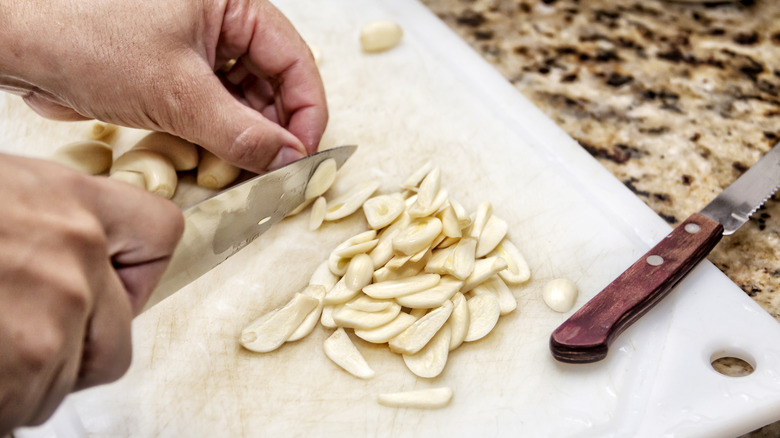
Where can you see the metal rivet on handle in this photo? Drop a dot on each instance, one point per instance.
(655, 260)
(692, 228)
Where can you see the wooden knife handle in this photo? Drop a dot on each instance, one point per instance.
(585, 337)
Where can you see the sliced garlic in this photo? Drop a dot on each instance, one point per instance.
(183, 154)
(311, 320)
(450, 226)
(326, 318)
(417, 335)
(484, 210)
(483, 316)
(459, 321)
(271, 330)
(359, 272)
(89, 156)
(302, 206)
(464, 219)
(431, 360)
(413, 180)
(418, 210)
(405, 286)
(492, 234)
(432, 297)
(365, 303)
(483, 269)
(338, 260)
(429, 188)
(340, 293)
(214, 172)
(382, 210)
(381, 35)
(323, 276)
(385, 332)
(440, 260)
(351, 201)
(159, 174)
(346, 316)
(321, 179)
(462, 262)
(397, 261)
(496, 286)
(434, 398)
(383, 251)
(417, 236)
(340, 349)
(517, 270)
(317, 214)
(560, 294)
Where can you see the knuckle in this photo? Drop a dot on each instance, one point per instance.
(38, 348)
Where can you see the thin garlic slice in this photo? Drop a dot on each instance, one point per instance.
(317, 214)
(311, 320)
(431, 360)
(321, 179)
(431, 297)
(464, 219)
(560, 294)
(340, 293)
(338, 260)
(382, 210)
(346, 316)
(417, 335)
(429, 188)
(417, 236)
(434, 398)
(450, 226)
(405, 286)
(92, 157)
(440, 260)
(359, 272)
(496, 286)
(340, 349)
(271, 330)
(383, 251)
(323, 276)
(326, 318)
(351, 201)
(483, 316)
(462, 262)
(484, 210)
(385, 332)
(159, 174)
(413, 180)
(183, 154)
(459, 321)
(483, 269)
(517, 270)
(492, 234)
(420, 210)
(364, 303)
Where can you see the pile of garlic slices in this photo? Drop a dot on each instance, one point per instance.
(425, 278)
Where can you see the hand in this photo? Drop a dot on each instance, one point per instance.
(79, 256)
(151, 65)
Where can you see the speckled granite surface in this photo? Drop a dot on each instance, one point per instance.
(675, 99)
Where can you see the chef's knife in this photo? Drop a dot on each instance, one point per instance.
(586, 335)
(218, 227)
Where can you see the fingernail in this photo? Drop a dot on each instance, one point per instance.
(285, 155)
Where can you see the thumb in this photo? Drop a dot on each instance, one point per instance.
(213, 118)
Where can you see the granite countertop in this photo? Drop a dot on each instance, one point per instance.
(676, 99)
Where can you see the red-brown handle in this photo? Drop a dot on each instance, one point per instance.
(586, 336)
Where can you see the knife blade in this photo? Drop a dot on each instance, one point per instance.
(220, 226)
(586, 336)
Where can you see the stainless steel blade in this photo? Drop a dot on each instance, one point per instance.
(733, 206)
(223, 224)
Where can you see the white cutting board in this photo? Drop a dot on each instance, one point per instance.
(434, 98)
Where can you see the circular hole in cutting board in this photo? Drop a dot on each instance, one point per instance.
(733, 363)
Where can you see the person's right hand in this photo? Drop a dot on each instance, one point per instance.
(79, 256)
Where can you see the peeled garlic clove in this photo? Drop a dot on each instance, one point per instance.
(419, 210)
(448, 242)
(134, 178)
(381, 35)
(483, 316)
(311, 320)
(323, 276)
(417, 236)
(183, 154)
(484, 210)
(450, 226)
(404, 286)
(159, 174)
(560, 294)
(461, 263)
(496, 286)
(338, 260)
(417, 335)
(214, 172)
(300, 207)
(340, 293)
(397, 261)
(359, 272)
(90, 156)
(326, 318)
(492, 234)
(429, 188)
(464, 220)
(381, 211)
(385, 332)
(483, 269)
(346, 316)
(271, 330)
(422, 399)
(517, 270)
(317, 214)
(439, 261)
(340, 349)
(413, 180)
(321, 179)
(367, 304)
(430, 361)
(351, 201)
(432, 297)
(459, 321)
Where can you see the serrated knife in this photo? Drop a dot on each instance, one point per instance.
(586, 336)
(220, 226)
